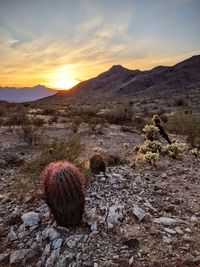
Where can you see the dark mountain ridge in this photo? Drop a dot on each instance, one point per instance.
(119, 81)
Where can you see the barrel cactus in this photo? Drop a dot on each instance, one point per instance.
(97, 164)
(63, 191)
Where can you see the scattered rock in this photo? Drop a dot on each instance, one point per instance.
(138, 212)
(170, 231)
(165, 221)
(30, 218)
(12, 235)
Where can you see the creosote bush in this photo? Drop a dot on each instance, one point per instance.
(186, 124)
(63, 192)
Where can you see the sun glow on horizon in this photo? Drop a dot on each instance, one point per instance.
(62, 79)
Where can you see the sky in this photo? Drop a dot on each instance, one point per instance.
(59, 43)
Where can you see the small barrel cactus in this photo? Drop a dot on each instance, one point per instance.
(63, 190)
(97, 164)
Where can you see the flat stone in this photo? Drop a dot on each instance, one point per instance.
(138, 212)
(178, 230)
(30, 218)
(51, 233)
(57, 243)
(167, 240)
(170, 231)
(12, 235)
(18, 255)
(165, 221)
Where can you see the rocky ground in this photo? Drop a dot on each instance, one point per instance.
(136, 215)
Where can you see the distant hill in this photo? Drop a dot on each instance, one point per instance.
(12, 94)
(119, 81)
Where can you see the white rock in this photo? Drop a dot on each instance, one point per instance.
(18, 255)
(115, 213)
(57, 243)
(71, 243)
(53, 257)
(170, 231)
(167, 240)
(12, 235)
(194, 218)
(131, 260)
(178, 230)
(165, 221)
(50, 233)
(30, 218)
(138, 212)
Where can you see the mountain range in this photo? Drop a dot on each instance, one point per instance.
(26, 94)
(119, 81)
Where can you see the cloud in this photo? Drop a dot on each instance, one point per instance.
(95, 42)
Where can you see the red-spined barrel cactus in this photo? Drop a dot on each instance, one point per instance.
(97, 164)
(63, 191)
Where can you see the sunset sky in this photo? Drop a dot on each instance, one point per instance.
(58, 43)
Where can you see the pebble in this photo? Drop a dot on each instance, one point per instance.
(170, 231)
(167, 240)
(138, 212)
(12, 235)
(165, 221)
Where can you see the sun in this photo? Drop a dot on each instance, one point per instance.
(63, 78)
(65, 84)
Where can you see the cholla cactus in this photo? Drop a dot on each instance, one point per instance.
(175, 150)
(194, 152)
(150, 146)
(151, 132)
(157, 121)
(63, 191)
(97, 164)
(151, 157)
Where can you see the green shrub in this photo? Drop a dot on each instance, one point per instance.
(37, 122)
(51, 151)
(17, 119)
(29, 135)
(186, 124)
(49, 111)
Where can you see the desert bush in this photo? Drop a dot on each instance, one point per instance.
(186, 124)
(63, 190)
(49, 111)
(29, 134)
(17, 119)
(120, 114)
(38, 121)
(51, 151)
(2, 111)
